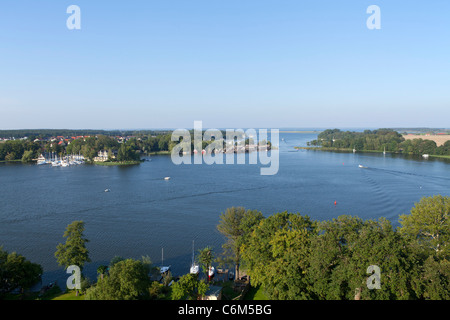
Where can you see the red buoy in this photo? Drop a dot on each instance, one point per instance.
(335, 203)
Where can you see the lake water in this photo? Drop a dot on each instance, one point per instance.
(144, 213)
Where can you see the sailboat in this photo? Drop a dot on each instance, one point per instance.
(194, 266)
(163, 268)
(384, 151)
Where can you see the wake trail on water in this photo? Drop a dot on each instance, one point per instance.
(114, 205)
(405, 173)
(380, 195)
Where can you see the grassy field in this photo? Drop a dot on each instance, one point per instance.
(69, 296)
(255, 293)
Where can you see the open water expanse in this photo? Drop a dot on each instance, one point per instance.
(144, 213)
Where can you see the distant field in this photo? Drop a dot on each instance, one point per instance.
(439, 139)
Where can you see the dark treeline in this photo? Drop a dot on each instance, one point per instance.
(378, 140)
(48, 133)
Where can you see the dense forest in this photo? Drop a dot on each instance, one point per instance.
(378, 140)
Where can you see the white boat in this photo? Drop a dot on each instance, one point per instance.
(195, 269)
(361, 166)
(56, 164)
(41, 160)
(107, 190)
(211, 272)
(163, 269)
(425, 156)
(167, 178)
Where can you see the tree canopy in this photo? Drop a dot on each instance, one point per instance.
(16, 272)
(73, 251)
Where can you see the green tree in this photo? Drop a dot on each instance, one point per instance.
(127, 280)
(101, 270)
(10, 156)
(343, 250)
(27, 156)
(275, 255)
(16, 272)
(236, 224)
(126, 153)
(189, 287)
(434, 281)
(428, 224)
(74, 251)
(205, 258)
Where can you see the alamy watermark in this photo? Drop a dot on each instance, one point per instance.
(374, 21)
(374, 281)
(74, 281)
(210, 147)
(73, 22)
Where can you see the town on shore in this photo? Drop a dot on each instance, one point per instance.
(102, 147)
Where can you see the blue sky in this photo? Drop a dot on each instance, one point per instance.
(229, 63)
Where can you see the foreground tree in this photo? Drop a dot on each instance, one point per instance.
(127, 280)
(236, 224)
(205, 258)
(429, 225)
(189, 287)
(427, 228)
(16, 272)
(74, 251)
(276, 255)
(344, 249)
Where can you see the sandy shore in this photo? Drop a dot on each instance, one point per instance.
(439, 139)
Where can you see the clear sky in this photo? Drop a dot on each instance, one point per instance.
(229, 63)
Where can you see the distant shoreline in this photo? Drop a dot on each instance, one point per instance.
(303, 131)
(117, 163)
(348, 150)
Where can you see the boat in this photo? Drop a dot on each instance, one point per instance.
(41, 160)
(361, 166)
(425, 156)
(384, 151)
(211, 272)
(107, 190)
(194, 266)
(167, 178)
(163, 269)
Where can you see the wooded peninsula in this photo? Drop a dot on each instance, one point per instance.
(379, 140)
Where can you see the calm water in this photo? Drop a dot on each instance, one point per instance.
(143, 213)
